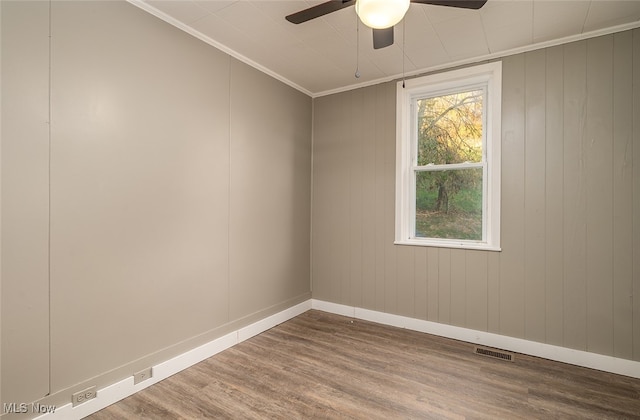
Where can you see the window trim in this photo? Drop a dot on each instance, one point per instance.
(489, 75)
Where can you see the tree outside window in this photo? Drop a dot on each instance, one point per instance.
(448, 159)
(449, 131)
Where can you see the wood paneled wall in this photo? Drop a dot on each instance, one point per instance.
(569, 270)
(166, 204)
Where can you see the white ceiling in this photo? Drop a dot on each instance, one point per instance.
(319, 56)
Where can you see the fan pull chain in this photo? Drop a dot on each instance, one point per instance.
(357, 74)
(403, 55)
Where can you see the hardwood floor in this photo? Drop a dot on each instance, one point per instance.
(320, 365)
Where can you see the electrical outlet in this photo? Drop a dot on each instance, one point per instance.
(142, 375)
(83, 396)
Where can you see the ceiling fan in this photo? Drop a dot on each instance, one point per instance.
(380, 15)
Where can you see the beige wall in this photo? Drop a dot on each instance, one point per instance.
(168, 204)
(168, 201)
(24, 320)
(570, 261)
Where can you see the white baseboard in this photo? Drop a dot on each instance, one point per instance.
(517, 345)
(120, 390)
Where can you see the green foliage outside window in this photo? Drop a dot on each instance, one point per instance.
(449, 201)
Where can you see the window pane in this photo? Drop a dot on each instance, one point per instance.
(449, 204)
(450, 128)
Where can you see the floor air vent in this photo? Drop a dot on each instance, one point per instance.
(496, 354)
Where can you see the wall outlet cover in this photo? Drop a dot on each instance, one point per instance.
(83, 396)
(142, 375)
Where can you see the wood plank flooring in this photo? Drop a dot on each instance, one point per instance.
(320, 365)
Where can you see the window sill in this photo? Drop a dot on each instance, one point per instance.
(479, 246)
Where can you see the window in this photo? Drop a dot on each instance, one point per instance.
(448, 159)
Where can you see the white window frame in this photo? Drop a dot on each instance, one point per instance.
(487, 76)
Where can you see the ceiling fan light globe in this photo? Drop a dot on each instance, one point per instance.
(381, 14)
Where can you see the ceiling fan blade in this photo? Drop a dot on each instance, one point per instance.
(464, 4)
(319, 10)
(382, 38)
